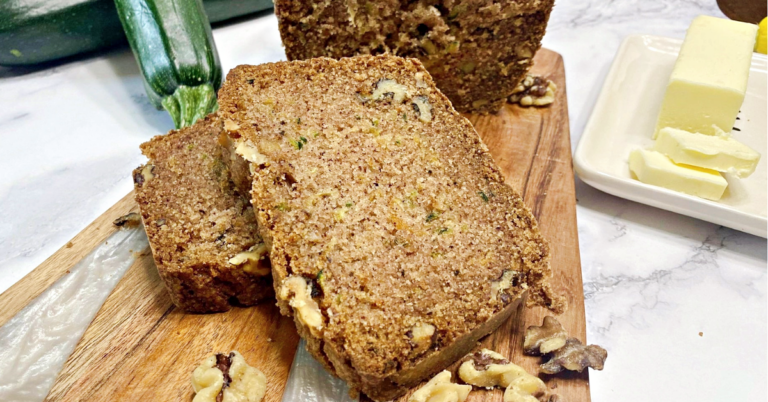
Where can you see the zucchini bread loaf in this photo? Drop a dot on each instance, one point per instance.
(202, 233)
(477, 51)
(394, 241)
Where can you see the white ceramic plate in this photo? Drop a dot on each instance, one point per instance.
(624, 119)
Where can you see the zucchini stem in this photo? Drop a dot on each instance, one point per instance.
(188, 104)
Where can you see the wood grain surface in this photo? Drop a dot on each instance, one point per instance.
(139, 347)
(532, 147)
(28, 288)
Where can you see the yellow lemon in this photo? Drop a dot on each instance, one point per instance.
(760, 45)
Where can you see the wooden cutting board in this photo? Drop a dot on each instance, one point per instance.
(139, 347)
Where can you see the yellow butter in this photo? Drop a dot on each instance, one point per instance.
(709, 79)
(651, 167)
(715, 152)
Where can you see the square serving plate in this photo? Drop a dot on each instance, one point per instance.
(624, 119)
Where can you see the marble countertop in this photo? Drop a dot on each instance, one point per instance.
(679, 303)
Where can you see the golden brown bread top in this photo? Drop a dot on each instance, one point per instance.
(371, 186)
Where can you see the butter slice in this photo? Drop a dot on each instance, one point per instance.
(651, 167)
(715, 152)
(709, 79)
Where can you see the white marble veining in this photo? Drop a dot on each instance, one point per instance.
(653, 280)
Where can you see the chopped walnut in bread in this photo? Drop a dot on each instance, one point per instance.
(298, 291)
(255, 261)
(421, 337)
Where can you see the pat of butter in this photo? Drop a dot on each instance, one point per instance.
(715, 152)
(709, 79)
(651, 167)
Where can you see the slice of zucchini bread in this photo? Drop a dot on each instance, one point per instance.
(477, 51)
(202, 232)
(393, 239)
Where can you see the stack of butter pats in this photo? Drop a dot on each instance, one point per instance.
(693, 146)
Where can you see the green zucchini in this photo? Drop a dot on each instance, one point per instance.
(174, 47)
(38, 31)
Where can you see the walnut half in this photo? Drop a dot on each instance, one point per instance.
(575, 356)
(534, 91)
(440, 388)
(546, 338)
(228, 378)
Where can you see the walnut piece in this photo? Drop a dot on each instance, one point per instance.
(148, 172)
(479, 103)
(534, 91)
(440, 388)
(423, 108)
(298, 292)
(386, 87)
(130, 220)
(421, 338)
(548, 337)
(489, 369)
(250, 152)
(500, 286)
(523, 51)
(144, 175)
(575, 356)
(255, 261)
(228, 378)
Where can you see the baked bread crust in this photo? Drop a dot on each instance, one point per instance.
(385, 204)
(476, 50)
(196, 222)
